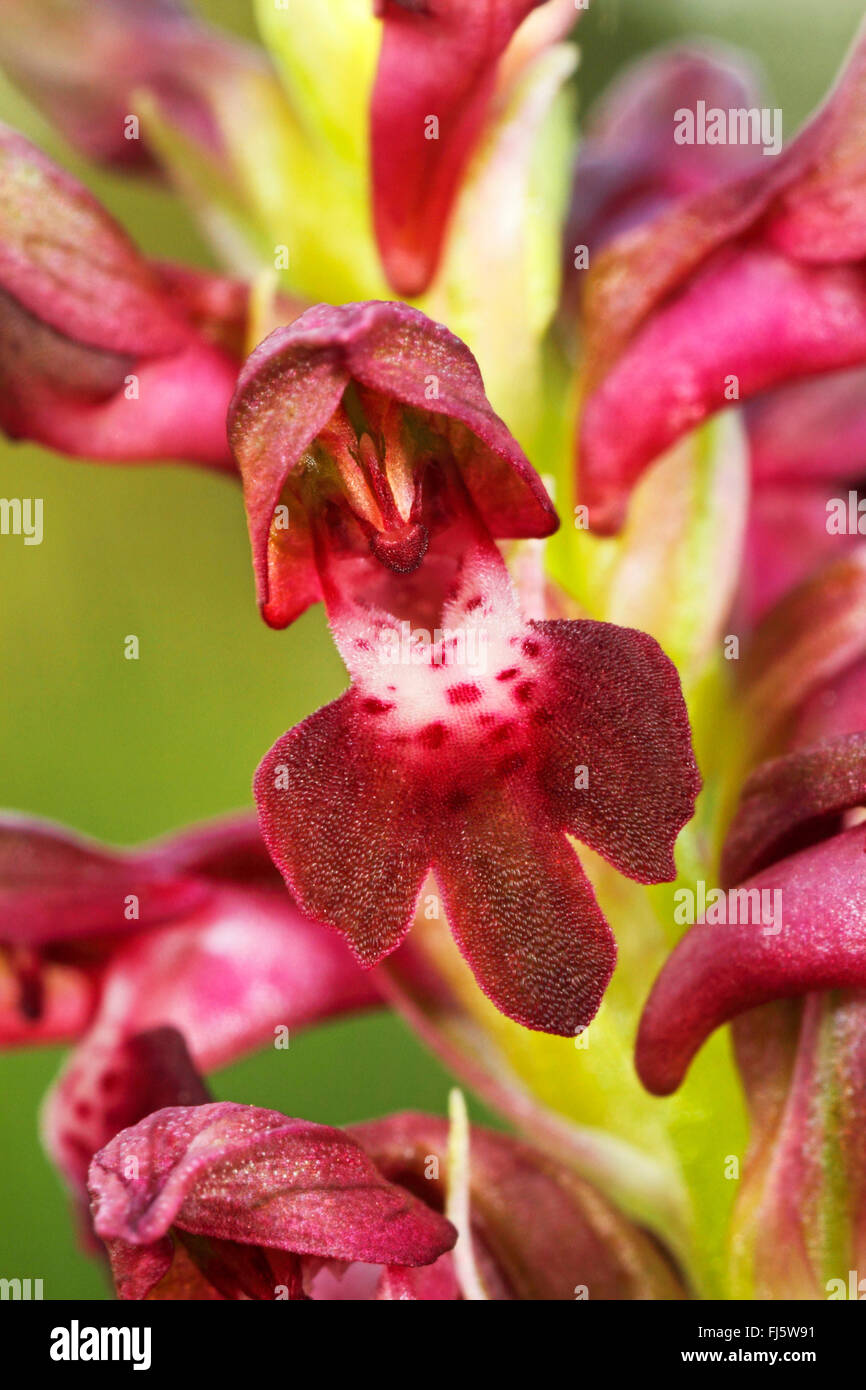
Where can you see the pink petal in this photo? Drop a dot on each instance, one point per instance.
(439, 57)
(242, 1174)
(719, 971)
(792, 801)
(629, 168)
(750, 315)
(56, 886)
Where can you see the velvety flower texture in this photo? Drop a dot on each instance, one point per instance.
(101, 353)
(665, 303)
(471, 739)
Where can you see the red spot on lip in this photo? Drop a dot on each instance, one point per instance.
(466, 693)
(531, 647)
(523, 692)
(509, 673)
(434, 735)
(474, 603)
(374, 706)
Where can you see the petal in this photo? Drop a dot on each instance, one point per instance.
(96, 355)
(786, 542)
(810, 430)
(654, 261)
(55, 886)
(439, 57)
(84, 63)
(719, 971)
(113, 1082)
(628, 167)
(616, 713)
(69, 264)
(436, 1282)
(341, 823)
(522, 911)
(239, 1173)
(290, 388)
(231, 978)
(801, 649)
(753, 317)
(541, 1231)
(790, 802)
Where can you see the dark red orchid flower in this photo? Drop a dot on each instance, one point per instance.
(102, 354)
(196, 932)
(84, 63)
(351, 427)
(230, 1202)
(471, 740)
(759, 281)
(438, 70)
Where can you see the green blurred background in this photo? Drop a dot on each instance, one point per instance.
(125, 750)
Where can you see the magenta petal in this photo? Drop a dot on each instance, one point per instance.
(83, 63)
(618, 716)
(628, 167)
(438, 57)
(228, 978)
(341, 824)
(791, 801)
(238, 1173)
(56, 886)
(717, 972)
(69, 264)
(523, 913)
(429, 1283)
(754, 316)
(291, 386)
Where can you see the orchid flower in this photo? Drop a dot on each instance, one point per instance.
(85, 64)
(101, 353)
(801, 1212)
(203, 1200)
(381, 493)
(196, 932)
(664, 336)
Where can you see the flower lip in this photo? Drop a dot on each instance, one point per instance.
(293, 385)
